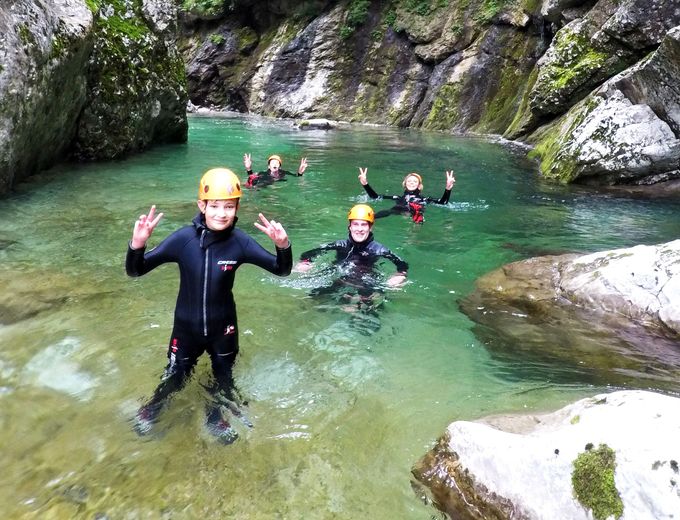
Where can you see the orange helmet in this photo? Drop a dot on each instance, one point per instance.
(272, 157)
(219, 184)
(417, 176)
(362, 212)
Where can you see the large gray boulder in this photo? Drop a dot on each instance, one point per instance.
(523, 467)
(607, 318)
(44, 50)
(136, 81)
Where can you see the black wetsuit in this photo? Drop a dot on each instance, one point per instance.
(358, 260)
(267, 177)
(205, 313)
(411, 202)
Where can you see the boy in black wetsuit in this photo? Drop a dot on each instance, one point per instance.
(357, 256)
(411, 202)
(208, 253)
(274, 173)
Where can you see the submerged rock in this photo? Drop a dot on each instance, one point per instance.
(56, 367)
(522, 467)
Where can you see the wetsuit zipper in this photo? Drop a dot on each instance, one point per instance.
(205, 286)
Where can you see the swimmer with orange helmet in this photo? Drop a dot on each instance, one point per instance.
(411, 202)
(356, 258)
(208, 253)
(274, 172)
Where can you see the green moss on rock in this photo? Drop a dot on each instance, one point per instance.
(593, 482)
(445, 111)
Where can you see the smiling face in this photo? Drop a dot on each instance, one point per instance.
(219, 214)
(411, 182)
(359, 230)
(274, 165)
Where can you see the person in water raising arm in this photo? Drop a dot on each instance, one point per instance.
(356, 258)
(411, 202)
(274, 172)
(208, 252)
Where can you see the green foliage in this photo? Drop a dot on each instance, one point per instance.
(92, 5)
(593, 482)
(216, 39)
(421, 7)
(357, 14)
(205, 7)
(390, 18)
(25, 34)
(489, 9)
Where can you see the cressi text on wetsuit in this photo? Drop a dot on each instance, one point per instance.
(267, 177)
(411, 202)
(205, 312)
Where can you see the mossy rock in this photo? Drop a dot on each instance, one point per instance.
(593, 482)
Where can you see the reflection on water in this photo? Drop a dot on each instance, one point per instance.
(342, 403)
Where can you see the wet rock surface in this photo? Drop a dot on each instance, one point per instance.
(522, 466)
(612, 317)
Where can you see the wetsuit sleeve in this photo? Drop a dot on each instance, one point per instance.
(401, 265)
(138, 262)
(370, 191)
(443, 200)
(313, 253)
(286, 172)
(280, 264)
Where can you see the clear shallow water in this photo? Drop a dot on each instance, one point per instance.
(341, 410)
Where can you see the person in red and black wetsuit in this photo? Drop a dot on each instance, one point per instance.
(411, 201)
(356, 258)
(274, 173)
(208, 252)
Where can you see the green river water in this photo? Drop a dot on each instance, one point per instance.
(342, 406)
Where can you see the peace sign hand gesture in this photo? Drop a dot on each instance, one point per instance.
(450, 179)
(273, 230)
(362, 176)
(247, 162)
(303, 166)
(144, 226)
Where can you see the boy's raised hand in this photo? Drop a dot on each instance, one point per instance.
(273, 230)
(144, 226)
(247, 162)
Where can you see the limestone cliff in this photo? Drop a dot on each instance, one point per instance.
(92, 79)
(519, 68)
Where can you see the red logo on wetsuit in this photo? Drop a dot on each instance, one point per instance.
(226, 265)
(416, 212)
(230, 329)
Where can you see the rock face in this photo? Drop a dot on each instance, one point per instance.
(522, 467)
(44, 50)
(612, 316)
(522, 69)
(627, 131)
(90, 79)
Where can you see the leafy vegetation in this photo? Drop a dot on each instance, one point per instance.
(217, 39)
(357, 14)
(206, 7)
